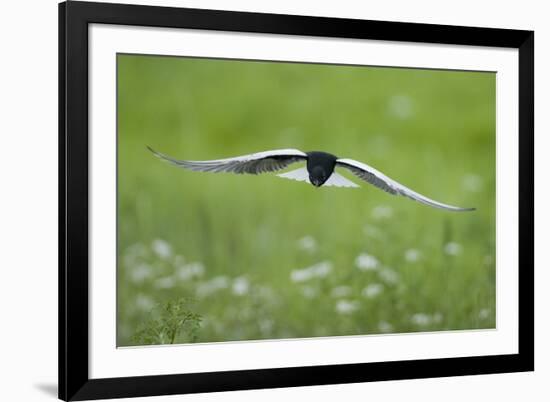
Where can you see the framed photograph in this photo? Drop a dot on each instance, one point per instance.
(256, 200)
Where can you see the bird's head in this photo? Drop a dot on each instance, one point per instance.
(318, 176)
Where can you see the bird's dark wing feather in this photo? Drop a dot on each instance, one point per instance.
(261, 162)
(380, 180)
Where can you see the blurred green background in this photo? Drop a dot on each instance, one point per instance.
(216, 257)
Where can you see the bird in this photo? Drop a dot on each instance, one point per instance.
(319, 171)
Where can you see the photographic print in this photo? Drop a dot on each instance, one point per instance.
(252, 201)
(272, 200)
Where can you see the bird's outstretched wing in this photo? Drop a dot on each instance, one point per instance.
(261, 162)
(380, 180)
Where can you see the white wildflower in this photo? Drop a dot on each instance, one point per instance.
(319, 270)
(421, 319)
(165, 283)
(266, 325)
(212, 286)
(162, 248)
(301, 275)
(384, 326)
(388, 275)
(144, 303)
(346, 306)
(141, 272)
(307, 243)
(366, 262)
(189, 271)
(240, 286)
(472, 183)
(322, 269)
(452, 248)
(412, 255)
(400, 106)
(341, 291)
(382, 212)
(219, 282)
(484, 313)
(373, 290)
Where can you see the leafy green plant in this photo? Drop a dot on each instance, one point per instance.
(171, 321)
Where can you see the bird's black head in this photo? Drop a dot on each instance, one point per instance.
(318, 176)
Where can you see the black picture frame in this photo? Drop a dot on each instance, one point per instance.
(74, 381)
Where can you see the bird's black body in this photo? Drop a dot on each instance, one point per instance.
(320, 166)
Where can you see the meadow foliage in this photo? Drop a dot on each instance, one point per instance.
(265, 258)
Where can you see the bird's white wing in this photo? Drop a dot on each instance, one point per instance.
(337, 180)
(260, 162)
(302, 174)
(298, 174)
(380, 180)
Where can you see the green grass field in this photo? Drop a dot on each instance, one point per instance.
(216, 257)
